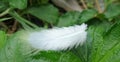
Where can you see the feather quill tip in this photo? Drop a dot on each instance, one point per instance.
(58, 38)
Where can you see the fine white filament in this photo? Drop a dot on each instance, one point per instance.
(58, 38)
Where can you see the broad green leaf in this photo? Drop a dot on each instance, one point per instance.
(112, 10)
(15, 50)
(20, 4)
(47, 13)
(86, 15)
(2, 39)
(69, 18)
(96, 40)
(111, 48)
(104, 47)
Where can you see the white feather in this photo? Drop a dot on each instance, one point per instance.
(58, 38)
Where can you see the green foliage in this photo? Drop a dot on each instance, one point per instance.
(18, 50)
(96, 40)
(51, 56)
(111, 47)
(2, 6)
(14, 50)
(69, 18)
(2, 39)
(86, 15)
(112, 10)
(47, 13)
(104, 46)
(20, 4)
(103, 39)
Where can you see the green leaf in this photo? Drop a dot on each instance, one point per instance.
(52, 56)
(111, 48)
(112, 10)
(47, 13)
(2, 39)
(95, 33)
(104, 47)
(3, 6)
(81, 52)
(20, 4)
(86, 15)
(15, 50)
(108, 2)
(69, 18)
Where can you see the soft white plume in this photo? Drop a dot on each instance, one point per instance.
(58, 38)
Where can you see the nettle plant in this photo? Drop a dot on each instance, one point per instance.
(59, 30)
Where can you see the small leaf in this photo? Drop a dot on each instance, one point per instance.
(20, 4)
(46, 13)
(87, 15)
(69, 18)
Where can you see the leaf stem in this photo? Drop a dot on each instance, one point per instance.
(98, 6)
(3, 19)
(4, 25)
(84, 5)
(23, 21)
(5, 12)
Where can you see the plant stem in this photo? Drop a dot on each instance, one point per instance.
(4, 25)
(3, 19)
(14, 27)
(83, 3)
(98, 6)
(5, 12)
(23, 21)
